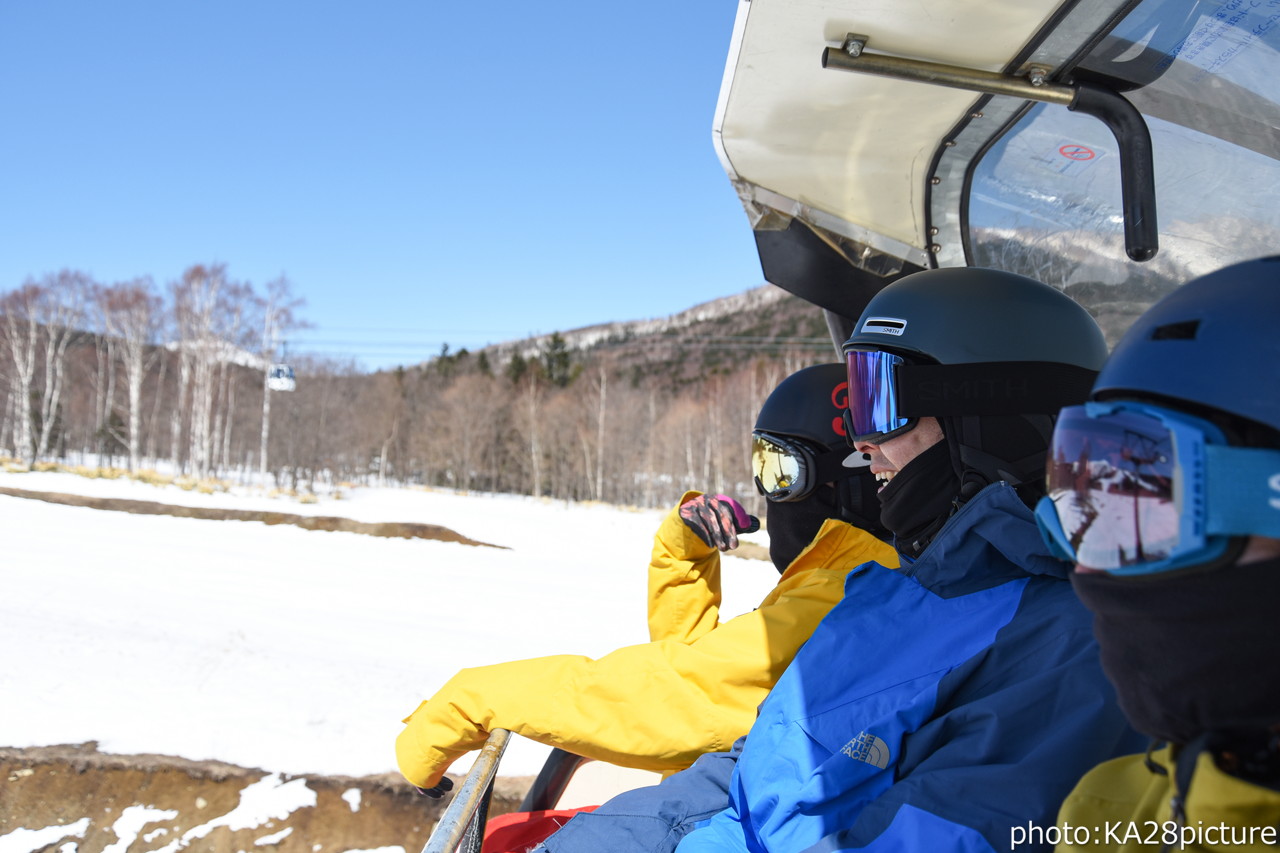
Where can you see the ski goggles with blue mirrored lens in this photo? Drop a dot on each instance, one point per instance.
(1137, 489)
(789, 470)
(872, 413)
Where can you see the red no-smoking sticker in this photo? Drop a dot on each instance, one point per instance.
(1077, 152)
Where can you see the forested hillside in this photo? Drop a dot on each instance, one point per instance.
(624, 412)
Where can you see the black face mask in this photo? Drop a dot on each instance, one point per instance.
(858, 502)
(1191, 653)
(793, 524)
(919, 499)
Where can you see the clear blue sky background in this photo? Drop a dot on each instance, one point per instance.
(423, 172)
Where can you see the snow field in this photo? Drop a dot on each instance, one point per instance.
(299, 651)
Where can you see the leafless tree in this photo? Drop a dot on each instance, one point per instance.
(132, 315)
(20, 314)
(527, 420)
(201, 300)
(472, 425)
(279, 317)
(602, 388)
(40, 319)
(105, 372)
(62, 318)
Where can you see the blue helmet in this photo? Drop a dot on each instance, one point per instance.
(1176, 462)
(1213, 343)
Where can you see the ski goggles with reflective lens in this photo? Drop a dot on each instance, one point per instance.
(872, 413)
(787, 469)
(1137, 489)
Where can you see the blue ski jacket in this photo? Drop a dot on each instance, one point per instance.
(941, 706)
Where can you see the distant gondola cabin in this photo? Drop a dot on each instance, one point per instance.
(280, 378)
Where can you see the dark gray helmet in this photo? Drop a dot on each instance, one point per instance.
(968, 315)
(984, 344)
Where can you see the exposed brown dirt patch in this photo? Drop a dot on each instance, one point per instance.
(47, 788)
(391, 529)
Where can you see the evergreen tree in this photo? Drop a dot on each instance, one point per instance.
(517, 368)
(557, 361)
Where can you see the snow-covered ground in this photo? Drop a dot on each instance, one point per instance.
(298, 651)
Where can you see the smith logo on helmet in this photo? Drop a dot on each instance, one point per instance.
(884, 326)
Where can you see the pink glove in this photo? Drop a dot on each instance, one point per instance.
(718, 520)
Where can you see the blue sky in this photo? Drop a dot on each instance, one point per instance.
(423, 172)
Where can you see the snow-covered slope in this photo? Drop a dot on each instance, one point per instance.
(297, 651)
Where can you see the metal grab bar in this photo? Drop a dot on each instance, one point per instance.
(463, 820)
(1126, 123)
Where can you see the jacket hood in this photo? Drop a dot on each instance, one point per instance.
(992, 539)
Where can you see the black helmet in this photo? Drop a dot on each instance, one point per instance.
(991, 354)
(809, 404)
(799, 443)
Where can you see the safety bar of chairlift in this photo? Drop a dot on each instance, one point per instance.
(461, 827)
(1137, 170)
(552, 780)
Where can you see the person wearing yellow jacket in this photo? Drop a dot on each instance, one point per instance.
(1165, 493)
(1131, 804)
(695, 686)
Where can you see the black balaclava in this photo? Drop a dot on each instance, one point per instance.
(975, 452)
(1191, 653)
(920, 498)
(793, 524)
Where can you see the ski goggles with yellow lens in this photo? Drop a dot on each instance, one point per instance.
(1137, 489)
(787, 469)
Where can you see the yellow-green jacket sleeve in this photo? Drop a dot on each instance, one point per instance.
(654, 706)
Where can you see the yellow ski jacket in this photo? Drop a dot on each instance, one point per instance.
(1125, 805)
(657, 706)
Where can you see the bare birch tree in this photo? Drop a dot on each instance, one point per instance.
(602, 385)
(20, 315)
(279, 316)
(132, 313)
(197, 300)
(529, 407)
(60, 313)
(104, 374)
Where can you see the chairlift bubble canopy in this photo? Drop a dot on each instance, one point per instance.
(862, 160)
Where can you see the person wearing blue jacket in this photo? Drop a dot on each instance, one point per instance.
(951, 703)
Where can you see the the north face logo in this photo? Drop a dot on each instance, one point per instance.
(869, 748)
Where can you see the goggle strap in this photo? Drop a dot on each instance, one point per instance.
(1242, 486)
(990, 388)
(1014, 471)
(829, 466)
